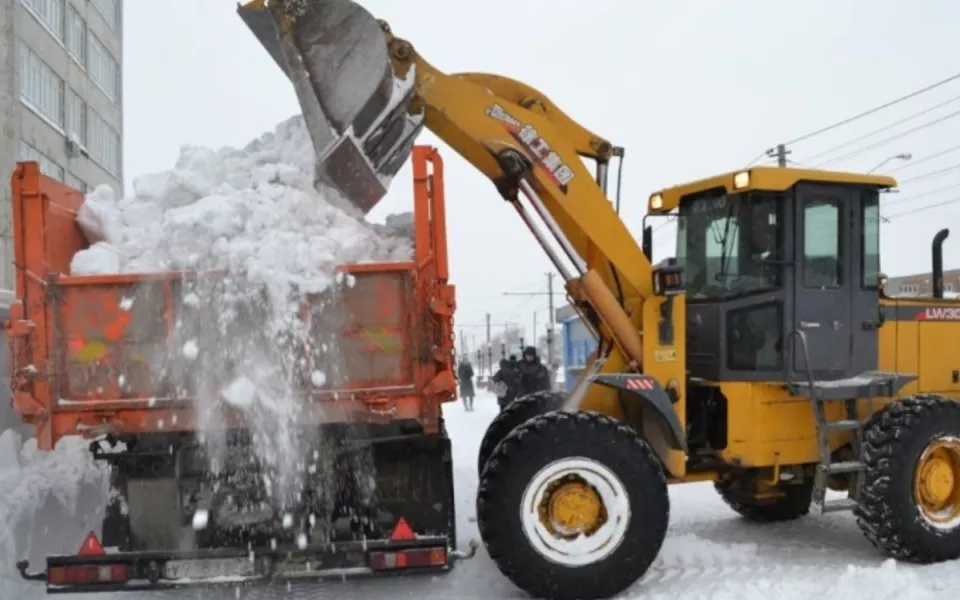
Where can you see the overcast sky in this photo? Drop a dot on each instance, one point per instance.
(689, 87)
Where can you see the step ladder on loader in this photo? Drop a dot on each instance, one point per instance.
(866, 386)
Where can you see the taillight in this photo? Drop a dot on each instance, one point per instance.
(408, 559)
(87, 574)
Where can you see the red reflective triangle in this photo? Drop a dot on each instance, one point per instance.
(91, 546)
(402, 532)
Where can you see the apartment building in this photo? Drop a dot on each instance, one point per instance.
(60, 96)
(921, 284)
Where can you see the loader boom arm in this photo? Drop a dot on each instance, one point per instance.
(492, 120)
(527, 146)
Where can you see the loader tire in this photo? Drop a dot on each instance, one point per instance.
(794, 503)
(909, 505)
(517, 413)
(573, 505)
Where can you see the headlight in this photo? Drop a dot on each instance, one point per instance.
(741, 180)
(656, 202)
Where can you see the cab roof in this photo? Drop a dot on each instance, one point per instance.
(772, 179)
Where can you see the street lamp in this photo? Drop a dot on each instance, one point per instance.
(902, 156)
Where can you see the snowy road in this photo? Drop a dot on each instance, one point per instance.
(709, 554)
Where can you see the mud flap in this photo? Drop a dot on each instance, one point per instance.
(335, 54)
(654, 401)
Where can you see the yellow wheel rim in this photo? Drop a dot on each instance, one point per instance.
(936, 485)
(572, 507)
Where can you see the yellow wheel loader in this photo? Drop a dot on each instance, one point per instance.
(764, 357)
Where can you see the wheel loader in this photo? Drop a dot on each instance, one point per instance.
(764, 357)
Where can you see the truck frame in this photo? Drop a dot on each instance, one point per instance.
(72, 338)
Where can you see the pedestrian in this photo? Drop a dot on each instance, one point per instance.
(465, 376)
(533, 374)
(505, 383)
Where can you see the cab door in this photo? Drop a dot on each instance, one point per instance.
(824, 278)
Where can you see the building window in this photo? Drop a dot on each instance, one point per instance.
(77, 36)
(40, 88)
(910, 289)
(104, 69)
(110, 10)
(103, 144)
(76, 118)
(75, 182)
(49, 13)
(47, 166)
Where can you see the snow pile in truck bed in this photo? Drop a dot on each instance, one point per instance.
(252, 210)
(240, 341)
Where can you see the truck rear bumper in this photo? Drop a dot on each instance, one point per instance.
(140, 571)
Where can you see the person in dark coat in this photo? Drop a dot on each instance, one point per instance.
(465, 376)
(533, 374)
(506, 383)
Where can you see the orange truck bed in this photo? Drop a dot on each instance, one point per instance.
(72, 339)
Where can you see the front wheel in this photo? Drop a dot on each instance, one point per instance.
(573, 506)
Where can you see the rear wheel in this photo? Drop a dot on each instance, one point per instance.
(517, 413)
(792, 504)
(910, 502)
(573, 505)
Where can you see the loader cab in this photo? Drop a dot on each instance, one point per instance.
(771, 250)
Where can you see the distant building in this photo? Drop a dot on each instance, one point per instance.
(60, 96)
(921, 284)
(578, 343)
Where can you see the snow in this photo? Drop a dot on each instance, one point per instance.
(709, 553)
(48, 503)
(252, 210)
(200, 520)
(256, 215)
(191, 350)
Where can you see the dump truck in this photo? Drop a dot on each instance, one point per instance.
(77, 362)
(764, 357)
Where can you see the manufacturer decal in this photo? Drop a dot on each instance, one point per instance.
(665, 355)
(939, 313)
(499, 113)
(537, 148)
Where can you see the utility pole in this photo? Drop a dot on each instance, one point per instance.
(550, 356)
(534, 328)
(780, 153)
(463, 344)
(488, 329)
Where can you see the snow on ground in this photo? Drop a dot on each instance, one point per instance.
(709, 554)
(48, 503)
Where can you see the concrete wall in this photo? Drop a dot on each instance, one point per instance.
(20, 123)
(9, 130)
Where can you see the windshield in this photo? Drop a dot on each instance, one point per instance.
(729, 245)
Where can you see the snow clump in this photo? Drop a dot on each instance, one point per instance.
(259, 247)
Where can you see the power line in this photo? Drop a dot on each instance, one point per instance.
(892, 138)
(884, 128)
(874, 110)
(930, 174)
(923, 208)
(923, 195)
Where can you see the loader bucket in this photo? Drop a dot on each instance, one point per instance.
(335, 54)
